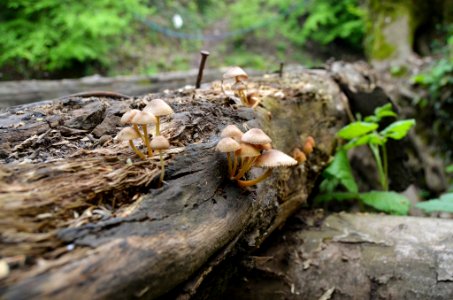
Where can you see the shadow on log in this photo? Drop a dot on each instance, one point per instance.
(150, 240)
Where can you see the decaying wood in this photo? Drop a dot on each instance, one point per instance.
(112, 233)
(21, 92)
(351, 256)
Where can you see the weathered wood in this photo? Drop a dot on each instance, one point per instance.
(351, 256)
(27, 91)
(168, 235)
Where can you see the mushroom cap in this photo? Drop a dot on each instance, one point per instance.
(311, 140)
(128, 116)
(235, 72)
(232, 131)
(127, 134)
(159, 108)
(308, 148)
(160, 143)
(274, 159)
(143, 118)
(256, 136)
(227, 144)
(247, 150)
(299, 155)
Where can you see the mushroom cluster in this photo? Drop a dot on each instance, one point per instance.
(250, 149)
(239, 86)
(301, 155)
(150, 115)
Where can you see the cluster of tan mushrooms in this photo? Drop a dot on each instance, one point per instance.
(150, 115)
(252, 149)
(239, 86)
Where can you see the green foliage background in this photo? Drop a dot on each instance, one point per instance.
(50, 36)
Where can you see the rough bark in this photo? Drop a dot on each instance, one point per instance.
(153, 239)
(351, 256)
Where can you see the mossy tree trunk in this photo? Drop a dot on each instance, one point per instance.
(392, 27)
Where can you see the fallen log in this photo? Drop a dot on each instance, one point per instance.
(351, 256)
(27, 91)
(80, 215)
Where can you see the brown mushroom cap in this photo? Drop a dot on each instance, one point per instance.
(256, 136)
(232, 131)
(299, 155)
(311, 140)
(127, 134)
(247, 150)
(160, 143)
(227, 144)
(128, 116)
(159, 108)
(143, 118)
(235, 72)
(273, 159)
(308, 148)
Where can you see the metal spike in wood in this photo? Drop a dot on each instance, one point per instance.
(280, 71)
(204, 56)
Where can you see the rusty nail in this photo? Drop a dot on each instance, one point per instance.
(280, 71)
(204, 56)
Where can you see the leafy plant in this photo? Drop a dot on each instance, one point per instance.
(338, 173)
(48, 35)
(366, 132)
(323, 21)
(436, 88)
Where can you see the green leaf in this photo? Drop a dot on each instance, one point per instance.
(356, 129)
(444, 203)
(384, 111)
(398, 130)
(371, 138)
(447, 197)
(371, 119)
(389, 202)
(340, 169)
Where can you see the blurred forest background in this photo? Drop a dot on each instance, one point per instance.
(409, 39)
(55, 39)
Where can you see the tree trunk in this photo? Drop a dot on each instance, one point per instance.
(82, 216)
(351, 256)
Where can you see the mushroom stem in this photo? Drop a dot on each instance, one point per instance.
(248, 163)
(235, 166)
(245, 183)
(137, 130)
(142, 156)
(157, 126)
(162, 166)
(230, 167)
(256, 103)
(243, 97)
(146, 140)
